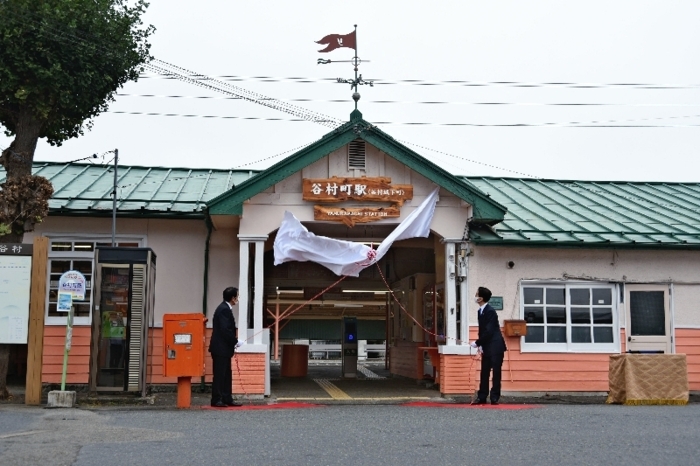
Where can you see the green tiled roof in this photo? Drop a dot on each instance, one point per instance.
(86, 189)
(539, 212)
(591, 214)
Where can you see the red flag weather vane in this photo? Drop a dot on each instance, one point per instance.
(336, 41)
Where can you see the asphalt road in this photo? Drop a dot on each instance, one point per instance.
(353, 435)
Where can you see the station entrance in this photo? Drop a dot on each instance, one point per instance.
(395, 313)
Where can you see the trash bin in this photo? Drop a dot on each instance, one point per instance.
(295, 360)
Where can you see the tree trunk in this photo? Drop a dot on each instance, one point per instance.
(17, 160)
(4, 365)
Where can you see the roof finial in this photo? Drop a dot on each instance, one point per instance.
(334, 41)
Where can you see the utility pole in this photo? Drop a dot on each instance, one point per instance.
(114, 199)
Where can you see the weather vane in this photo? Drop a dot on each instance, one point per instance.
(336, 41)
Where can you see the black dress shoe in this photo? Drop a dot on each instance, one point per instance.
(218, 404)
(478, 402)
(234, 403)
(495, 402)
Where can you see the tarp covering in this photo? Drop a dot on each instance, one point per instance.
(648, 379)
(295, 243)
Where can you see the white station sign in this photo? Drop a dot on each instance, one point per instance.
(72, 282)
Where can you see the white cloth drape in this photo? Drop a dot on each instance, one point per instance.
(295, 243)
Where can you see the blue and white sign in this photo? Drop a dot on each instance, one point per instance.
(72, 282)
(65, 301)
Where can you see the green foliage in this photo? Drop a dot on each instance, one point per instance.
(61, 61)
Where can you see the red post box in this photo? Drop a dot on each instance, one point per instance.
(183, 352)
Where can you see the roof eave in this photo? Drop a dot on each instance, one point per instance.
(485, 210)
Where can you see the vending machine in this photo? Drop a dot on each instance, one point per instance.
(122, 316)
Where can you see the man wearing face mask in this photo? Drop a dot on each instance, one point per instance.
(492, 346)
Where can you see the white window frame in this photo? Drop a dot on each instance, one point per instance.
(569, 347)
(81, 256)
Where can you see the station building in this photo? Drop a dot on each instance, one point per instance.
(579, 270)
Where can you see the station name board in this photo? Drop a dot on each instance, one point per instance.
(336, 189)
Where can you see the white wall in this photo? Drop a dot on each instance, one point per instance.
(223, 268)
(487, 267)
(179, 248)
(264, 212)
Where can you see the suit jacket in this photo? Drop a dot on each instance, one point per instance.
(223, 337)
(490, 337)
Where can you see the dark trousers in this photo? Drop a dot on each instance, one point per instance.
(221, 385)
(489, 363)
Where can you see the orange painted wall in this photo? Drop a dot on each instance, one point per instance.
(79, 357)
(458, 374)
(78, 371)
(688, 343)
(249, 374)
(579, 372)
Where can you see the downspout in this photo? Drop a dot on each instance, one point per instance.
(205, 279)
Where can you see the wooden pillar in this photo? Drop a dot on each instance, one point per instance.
(277, 329)
(37, 308)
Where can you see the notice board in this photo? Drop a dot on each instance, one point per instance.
(15, 280)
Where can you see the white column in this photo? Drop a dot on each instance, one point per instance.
(258, 279)
(456, 276)
(243, 290)
(463, 274)
(450, 294)
(259, 287)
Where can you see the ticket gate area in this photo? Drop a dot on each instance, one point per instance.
(349, 347)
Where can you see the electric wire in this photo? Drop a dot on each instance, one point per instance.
(427, 102)
(165, 69)
(466, 83)
(571, 124)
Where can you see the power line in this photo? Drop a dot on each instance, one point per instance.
(183, 74)
(174, 72)
(426, 102)
(571, 124)
(464, 83)
(468, 160)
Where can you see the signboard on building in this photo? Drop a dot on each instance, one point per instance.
(376, 189)
(336, 189)
(15, 282)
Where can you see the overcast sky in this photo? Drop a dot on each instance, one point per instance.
(598, 43)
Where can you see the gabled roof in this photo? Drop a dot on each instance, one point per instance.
(86, 189)
(592, 214)
(485, 210)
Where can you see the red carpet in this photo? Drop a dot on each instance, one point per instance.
(246, 407)
(433, 404)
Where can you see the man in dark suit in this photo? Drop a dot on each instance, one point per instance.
(222, 346)
(492, 346)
